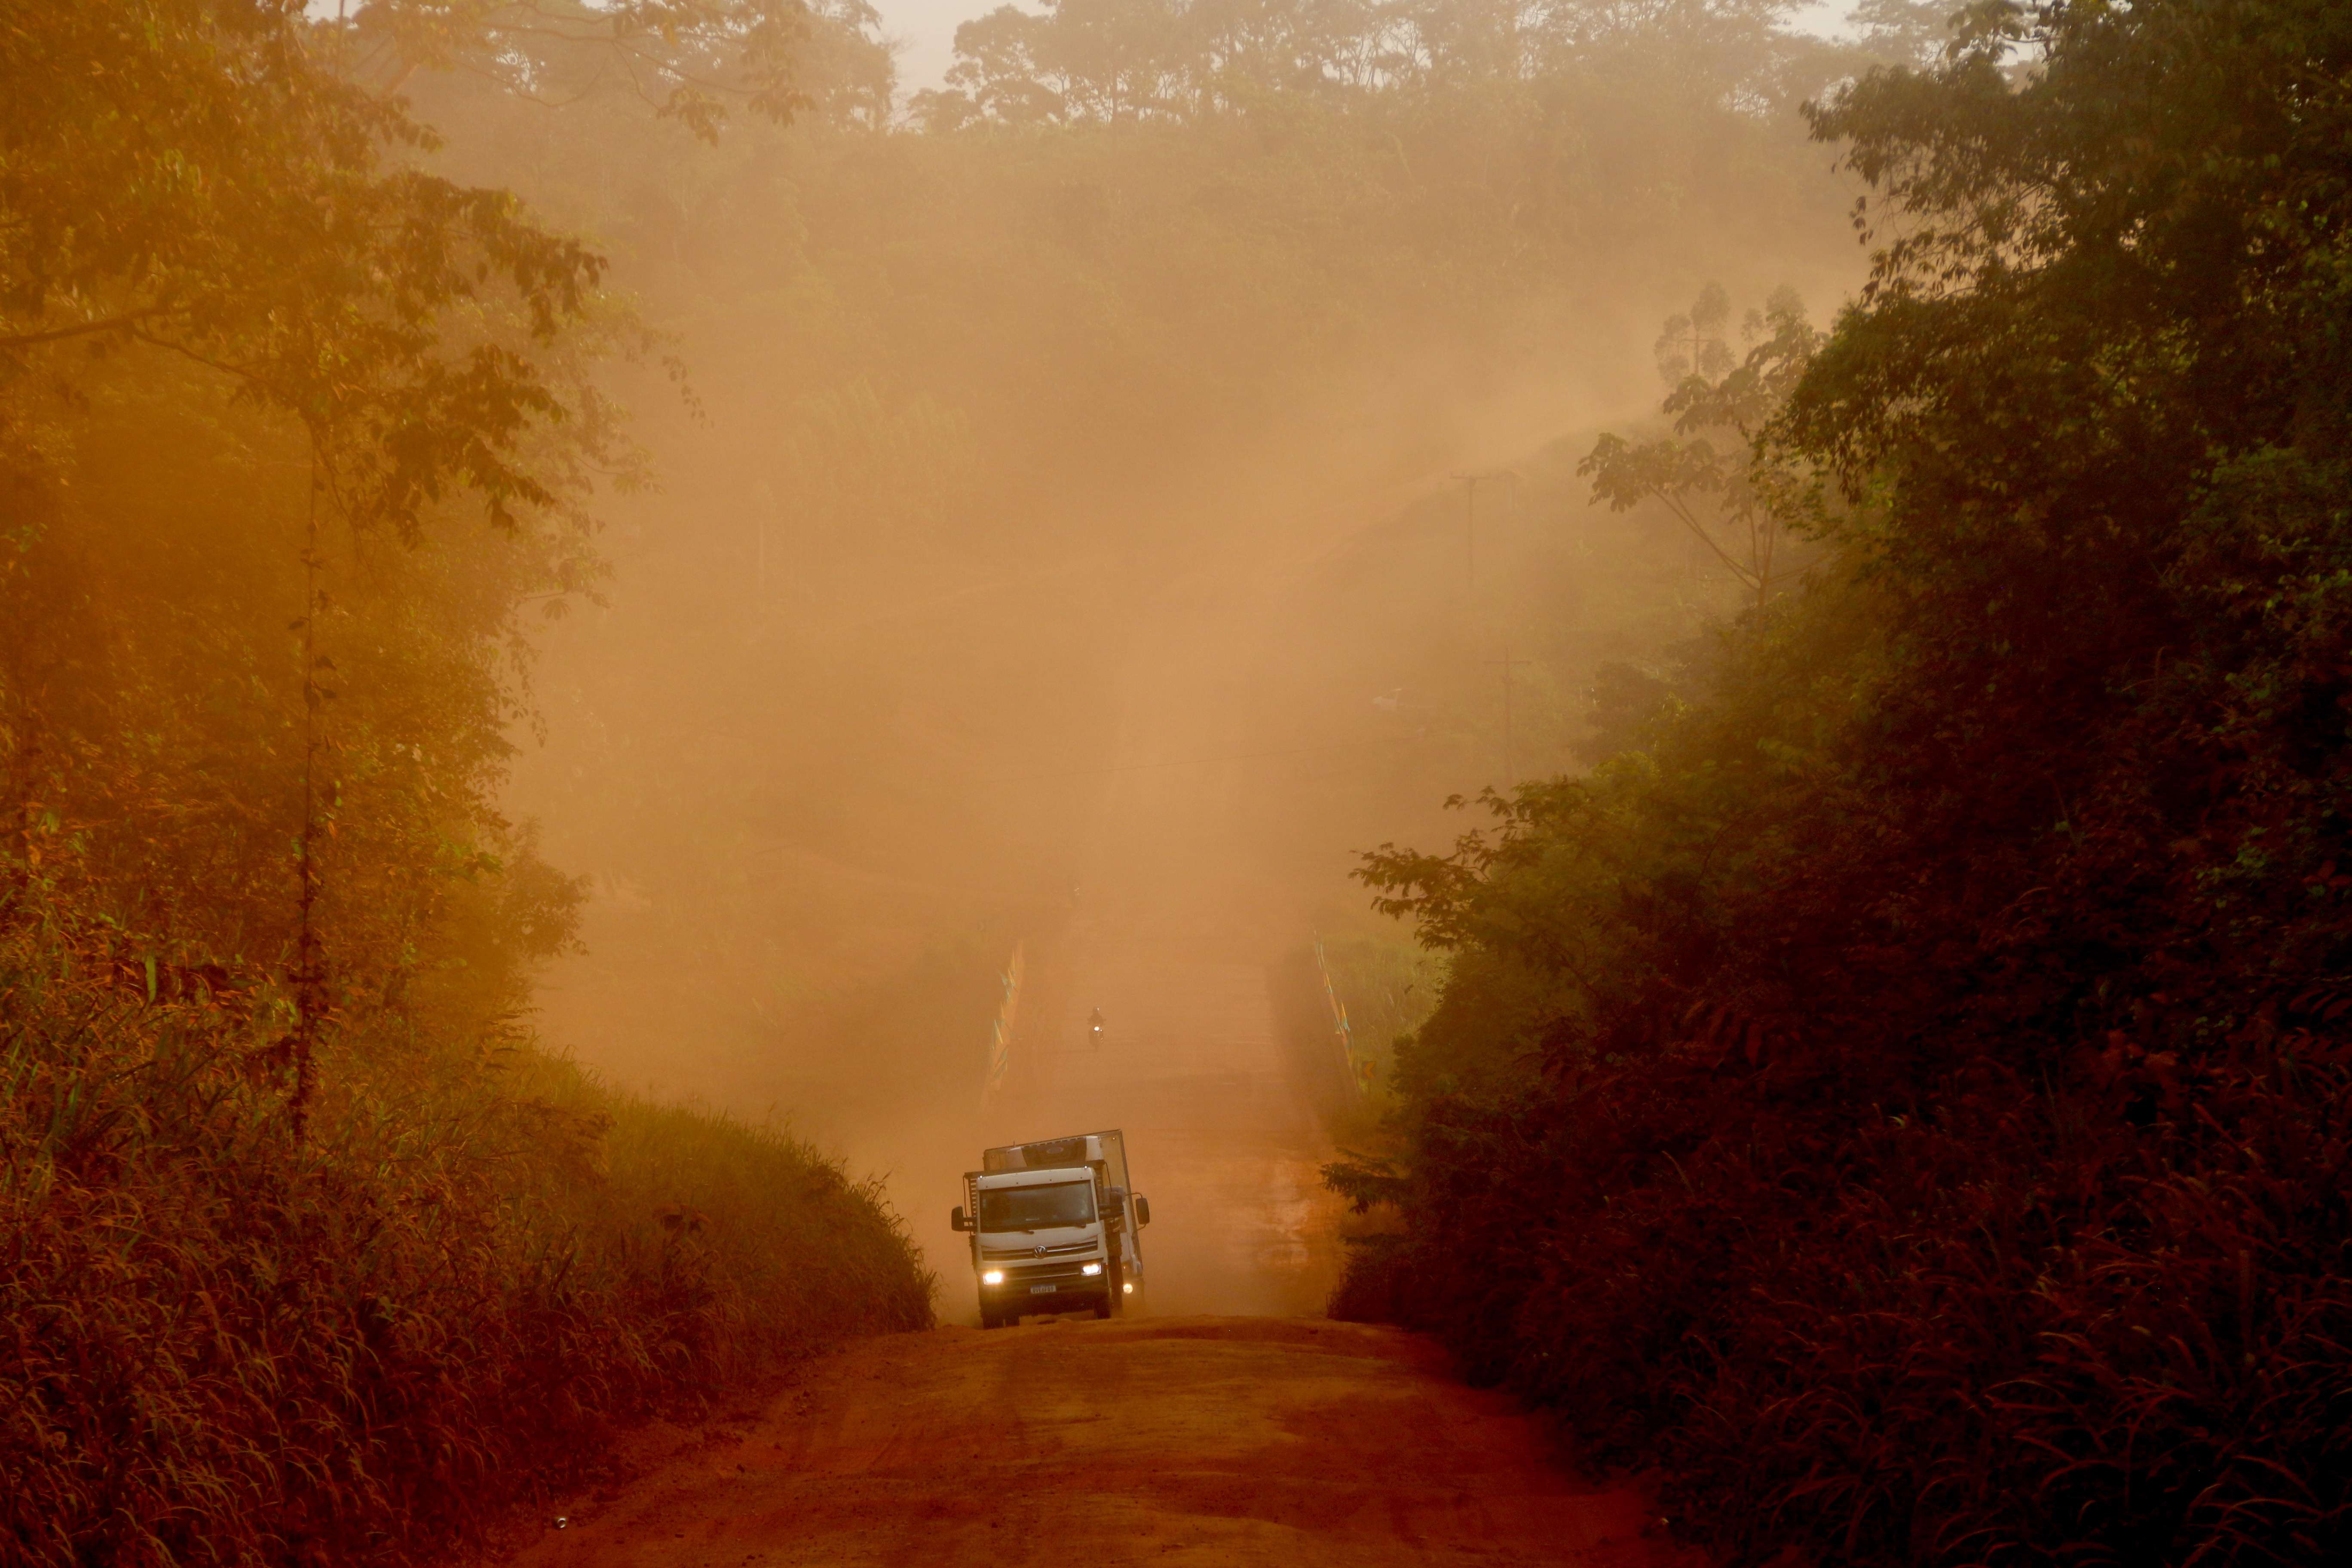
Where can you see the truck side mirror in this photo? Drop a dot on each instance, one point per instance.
(960, 1219)
(1142, 1212)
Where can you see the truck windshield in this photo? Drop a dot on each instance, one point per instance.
(1037, 1209)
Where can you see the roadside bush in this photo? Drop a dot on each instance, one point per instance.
(222, 1346)
(1909, 1098)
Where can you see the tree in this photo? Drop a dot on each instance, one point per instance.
(689, 60)
(220, 192)
(1003, 72)
(1116, 60)
(1908, 1100)
(228, 200)
(1723, 494)
(1906, 32)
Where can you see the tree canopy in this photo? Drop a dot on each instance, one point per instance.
(1904, 1094)
(295, 431)
(1130, 60)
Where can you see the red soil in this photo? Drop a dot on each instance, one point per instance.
(1222, 1441)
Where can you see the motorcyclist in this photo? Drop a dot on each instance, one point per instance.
(1094, 1028)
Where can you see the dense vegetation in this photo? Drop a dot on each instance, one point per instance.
(306, 1252)
(1900, 1091)
(1905, 1093)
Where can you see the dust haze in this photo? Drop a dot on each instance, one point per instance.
(1084, 545)
(629, 629)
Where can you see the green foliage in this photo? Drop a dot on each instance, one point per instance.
(687, 60)
(1516, 132)
(1713, 491)
(1906, 1098)
(1084, 61)
(1388, 988)
(227, 1347)
(305, 1254)
(219, 192)
(154, 713)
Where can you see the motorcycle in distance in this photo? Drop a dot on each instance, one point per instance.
(1094, 1029)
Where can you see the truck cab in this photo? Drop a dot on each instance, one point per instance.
(1053, 1229)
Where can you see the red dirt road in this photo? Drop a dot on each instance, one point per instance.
(1177, 1439)
(1224, 1441)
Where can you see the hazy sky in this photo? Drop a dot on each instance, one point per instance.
(927, 28)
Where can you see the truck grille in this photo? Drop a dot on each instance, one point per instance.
(1015, 1254)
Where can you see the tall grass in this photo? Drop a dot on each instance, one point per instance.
(1389, 986)
(220, 1346)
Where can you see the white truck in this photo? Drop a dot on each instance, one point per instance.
(1054, 1228)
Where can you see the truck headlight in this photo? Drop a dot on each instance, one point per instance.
(1128, 1288)
(1091, 1268)
(994, 1277)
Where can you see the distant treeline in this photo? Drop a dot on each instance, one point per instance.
(1110, 61)
(1905, 1093)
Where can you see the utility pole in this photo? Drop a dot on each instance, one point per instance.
(1470, 527)
(1510, 768)
(1470, 518)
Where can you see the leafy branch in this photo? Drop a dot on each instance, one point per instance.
(1717, 487)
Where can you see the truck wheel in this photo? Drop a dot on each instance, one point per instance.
(1102, 1306)
(989, 1319)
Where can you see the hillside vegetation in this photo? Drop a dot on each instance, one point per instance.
(1905, 1093)
(1900, 1092)
(307, 1253)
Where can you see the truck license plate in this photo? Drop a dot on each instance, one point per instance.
(1043, 1289)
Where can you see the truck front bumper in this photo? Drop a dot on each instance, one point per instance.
(1056, 1286)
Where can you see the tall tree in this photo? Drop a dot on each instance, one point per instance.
(1708, 475)
(1909, 1098)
